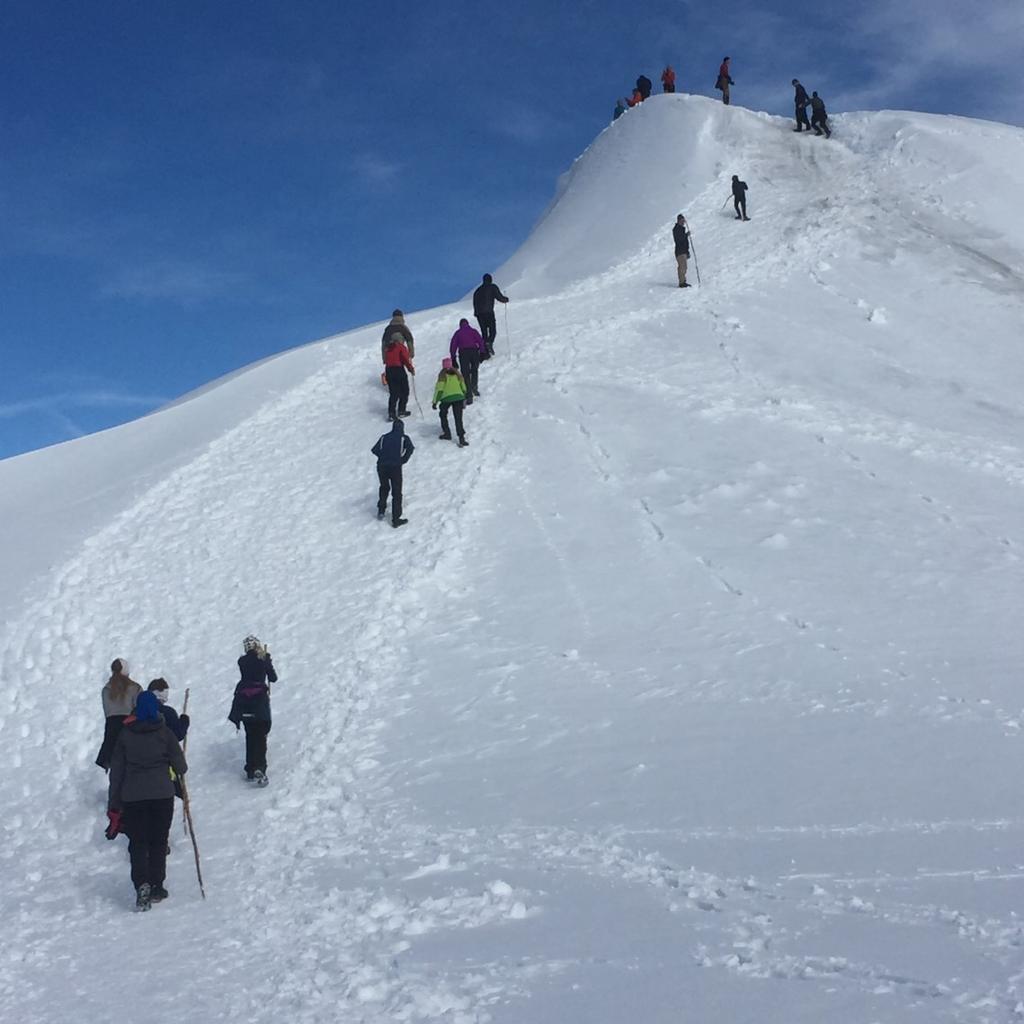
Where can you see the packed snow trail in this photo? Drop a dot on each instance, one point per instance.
(696, 669)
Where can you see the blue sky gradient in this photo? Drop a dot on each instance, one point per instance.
(186, 188)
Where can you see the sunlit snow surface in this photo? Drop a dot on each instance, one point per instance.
(691, 692)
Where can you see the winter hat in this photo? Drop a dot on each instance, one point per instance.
(463, 322)
(397, 312)
(160, 689)
(119, 667)
(488, 279)
(795, 82)
(446, 363)
(147, 707)
(251, 643)
(398, 427)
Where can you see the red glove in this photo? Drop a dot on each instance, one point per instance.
(114, 828)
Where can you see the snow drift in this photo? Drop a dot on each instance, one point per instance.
(691, 687)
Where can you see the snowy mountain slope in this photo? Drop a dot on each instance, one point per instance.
(690, 690)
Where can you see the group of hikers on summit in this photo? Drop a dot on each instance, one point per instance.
(457, 385)
(723, 83)
(143, 753)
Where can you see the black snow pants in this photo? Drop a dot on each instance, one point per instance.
(469, 364)
(801, 118)
(398, 390)
(147, 823)
(390, 483)
(489, 329)
(256, 730)
(740, 202)
(456, 408)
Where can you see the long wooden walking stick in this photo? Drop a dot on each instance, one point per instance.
(508, 337)
(192, 833)
(184, 747)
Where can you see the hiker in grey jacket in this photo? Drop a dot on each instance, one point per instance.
(397, 326)
(118, 696)
(140, 801)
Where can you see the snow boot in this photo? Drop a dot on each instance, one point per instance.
(444, 437)
(260, 778)
(399, 522)
(380, 513)
(463, 443)
(143, 897)
(158, 893)
(404, 412)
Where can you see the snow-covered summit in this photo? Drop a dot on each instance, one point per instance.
(690, 688)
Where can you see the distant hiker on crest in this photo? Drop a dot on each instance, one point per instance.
(724, 80)
(681, 237)
(819, 116)
(466, 350)
(483, 308)
(397, 328)
(250, 705)
(178, 724)
(620, 109)
(118, 696)
(396, 362)
(140, 801)
(668, 79)
(636, 99)
(739, 197)
(450, 393)
(393, 451)
(644, 86)
(801, 99)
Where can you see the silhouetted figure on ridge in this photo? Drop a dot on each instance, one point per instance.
(724, 80)
(801, 101)
(819, 116)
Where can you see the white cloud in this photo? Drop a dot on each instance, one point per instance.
(173, 280)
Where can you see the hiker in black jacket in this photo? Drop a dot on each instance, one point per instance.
(739, 197)
(483, 308)
(801, 100)
(393, 451)
(644, 86)
(681, 237)
(250, 706)
(819, 116)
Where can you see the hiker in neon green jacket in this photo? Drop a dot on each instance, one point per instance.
(450, 392)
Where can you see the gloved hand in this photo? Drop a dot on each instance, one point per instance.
(434, 406)
(114, 828)
(185, 721)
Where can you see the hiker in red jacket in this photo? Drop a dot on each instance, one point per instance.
(668, 79)
(724, 80)
(396, 362)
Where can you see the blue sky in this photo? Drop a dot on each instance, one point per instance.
(187, 188)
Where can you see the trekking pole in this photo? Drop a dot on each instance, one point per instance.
(416, 397)
(696, 265)
(192, 833)
(508, 337)
(184, 747)
(726, 203)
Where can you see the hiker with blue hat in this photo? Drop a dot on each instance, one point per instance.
(140, 802)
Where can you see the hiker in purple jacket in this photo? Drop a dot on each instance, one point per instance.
(466, 349)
